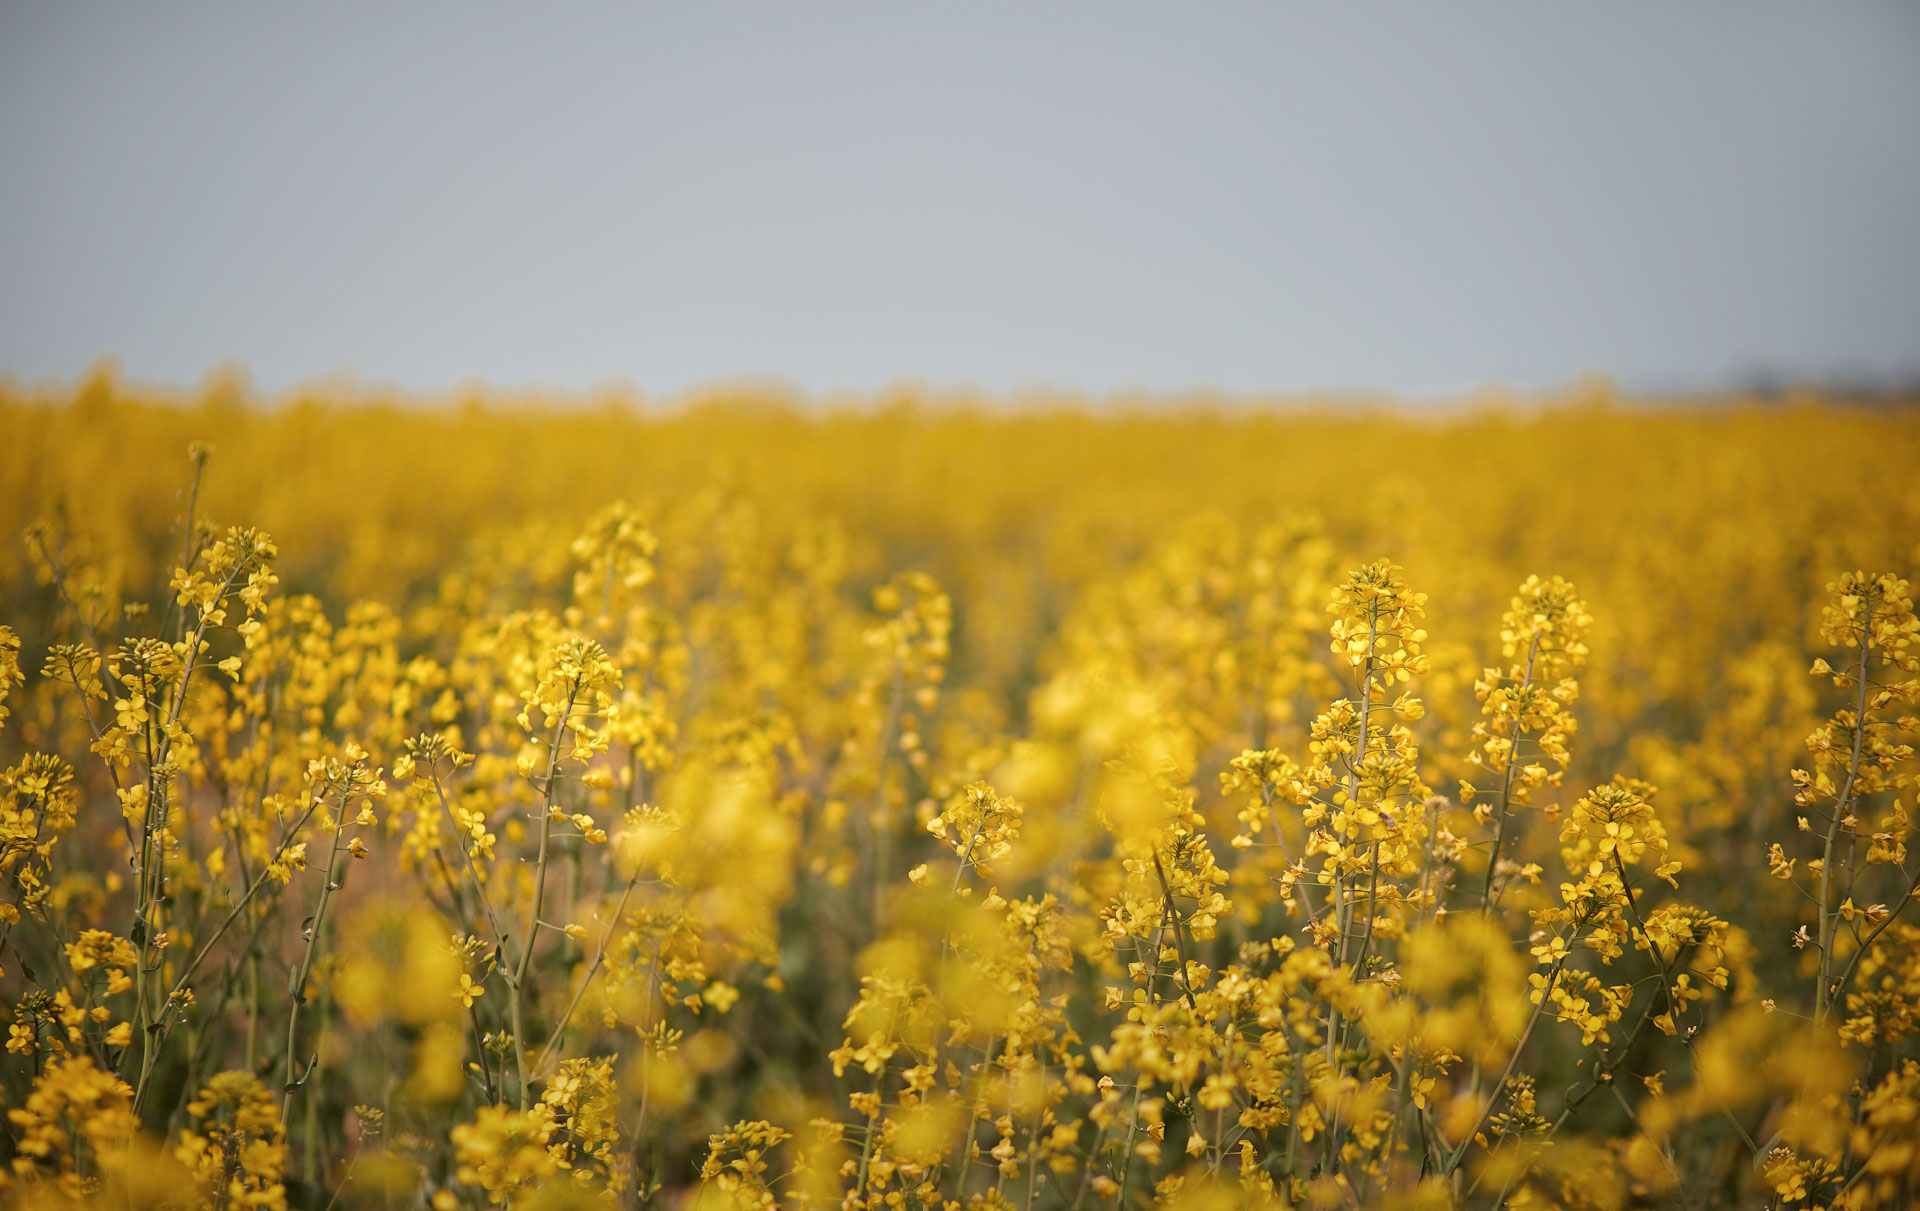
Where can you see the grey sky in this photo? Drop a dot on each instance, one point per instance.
(1417, 197)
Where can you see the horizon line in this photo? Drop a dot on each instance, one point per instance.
(233, 379)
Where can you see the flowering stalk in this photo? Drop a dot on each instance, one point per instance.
(549, 1055)
(182, 981)
(297, 985)
(1504, 810)
(516, 987)
(1825, 990)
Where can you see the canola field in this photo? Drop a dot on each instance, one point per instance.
(950, 807)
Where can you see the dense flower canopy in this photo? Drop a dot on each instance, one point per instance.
(919, 807)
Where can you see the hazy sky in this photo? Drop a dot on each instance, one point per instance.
(1418, 197)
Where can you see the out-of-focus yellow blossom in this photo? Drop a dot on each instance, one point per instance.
(505, 1153)
(72, 1124)
(236, 1147)
(10, 674)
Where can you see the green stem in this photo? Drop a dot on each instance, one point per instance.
(599, 958)
(206, 948)
(1506, 788)
(1513, 1061)
(1829, 917)
(517, 990)
(1666, 982)
(866, 1145)
(973, 1120)
(1179, 934)
(876, 815)
(1840, 985)
(466, 852)
(298, 986)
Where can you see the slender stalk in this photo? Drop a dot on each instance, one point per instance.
(298, 987)
(1830, 917)
(973, 1120)
(480, 1049)
(206, 948)
(266, 873)
(547, 1053)
(188, 555)
(1603, 1073)
(517, 989)
(1513, 1061)
(1343, 908)
(1840, 985)
(1133, 1115)
(311, 1130)
(1086, 1174)
(1033, 1140)
(1179, 934)
(1133, 1128)
(953, 893)
(1506, 788)
(986, 1063)
(473, 868)
(1666, 981)
(1286, 851)
(1373, 889)
(253, 1009)
(883, 832)
(866, 1144)
(158, 749)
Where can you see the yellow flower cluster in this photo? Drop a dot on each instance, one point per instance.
(236, 1148)
(74, 1124)
(1527, 708)
(980, 826)
(506, 1153)
(932, 807)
